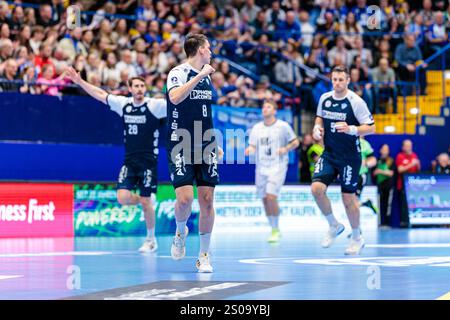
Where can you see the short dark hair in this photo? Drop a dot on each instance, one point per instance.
(272, 103)
(130, 81)
(193, 42)
(340, 69)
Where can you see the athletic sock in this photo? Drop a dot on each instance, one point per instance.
(181, 227)
(275, 222)
(205, 239)
(150, 233)
(356, 233)
(271, 222)
(331, 219)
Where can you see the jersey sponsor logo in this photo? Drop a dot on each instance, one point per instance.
(135, 119)
(201, 95)
(334, 115)
(129, 108)
(174, 80)
(335, 104)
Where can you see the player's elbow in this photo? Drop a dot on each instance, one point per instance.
(174, 98)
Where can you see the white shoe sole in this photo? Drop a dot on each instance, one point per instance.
(355, 253)
(334, 239)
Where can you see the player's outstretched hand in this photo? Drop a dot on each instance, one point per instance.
(207, 70)
(72, 75)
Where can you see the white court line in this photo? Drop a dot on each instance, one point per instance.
(10, 277)
(54, 254)
(409, 245)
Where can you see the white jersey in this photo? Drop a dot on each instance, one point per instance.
(268, 140)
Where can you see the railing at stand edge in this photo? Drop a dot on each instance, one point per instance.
(441, 53)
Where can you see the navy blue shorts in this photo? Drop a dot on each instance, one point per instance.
(141, 177)
(184, 172)
(328, 169)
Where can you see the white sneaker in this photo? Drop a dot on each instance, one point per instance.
(331, 235)
(202, 264)
(178, 250)
(150, 245)
(355, 246)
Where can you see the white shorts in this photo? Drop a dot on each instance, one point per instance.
(269, 182)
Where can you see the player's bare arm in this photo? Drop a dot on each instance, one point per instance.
(362, 130)
(290, 146)
(93, 91)
(180, 93)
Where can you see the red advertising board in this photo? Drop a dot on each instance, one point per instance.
(36, 210)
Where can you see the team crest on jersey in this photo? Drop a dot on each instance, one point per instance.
(344, 105)
(142, 109)
(129, 108)
(327, 103)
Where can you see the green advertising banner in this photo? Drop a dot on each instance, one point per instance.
(97, 212)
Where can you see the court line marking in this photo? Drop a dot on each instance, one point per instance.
(6, 277)
(410, 245)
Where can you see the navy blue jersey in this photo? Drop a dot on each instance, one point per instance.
(350, 109)
(195, 110)
(141, 125)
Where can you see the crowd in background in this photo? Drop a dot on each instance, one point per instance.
(288, 43)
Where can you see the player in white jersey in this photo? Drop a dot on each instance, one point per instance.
(342, 116)
(271, 140)
(141, 118)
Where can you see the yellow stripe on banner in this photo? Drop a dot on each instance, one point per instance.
(444, 297)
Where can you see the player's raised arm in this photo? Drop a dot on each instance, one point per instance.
(178, 94)
(93, 91)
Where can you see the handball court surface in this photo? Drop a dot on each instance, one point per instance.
(395, 264)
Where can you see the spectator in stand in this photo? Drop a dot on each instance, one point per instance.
(383, 78)
(306, 30)
(364, 90)
(289, 29)
(427, 13)
(408, 57)
(442, 164)
(416, 27)
(4, 12)
(71, 44)
(37, 36)
(145, 11)
(406, 162)
(45, 16)
(437, 36)
(384, 177)
(249, 11)
(6, 50)
(48, 83)
(350, 30)
(44, 57)
(8, 72)
(363, 53)
(5, 32)
(274, 15)
(339, 51)
(30, 17)
(17, 20)
(126, 62)
(383, 50)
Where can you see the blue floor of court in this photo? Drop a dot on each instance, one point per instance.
(396, 264)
